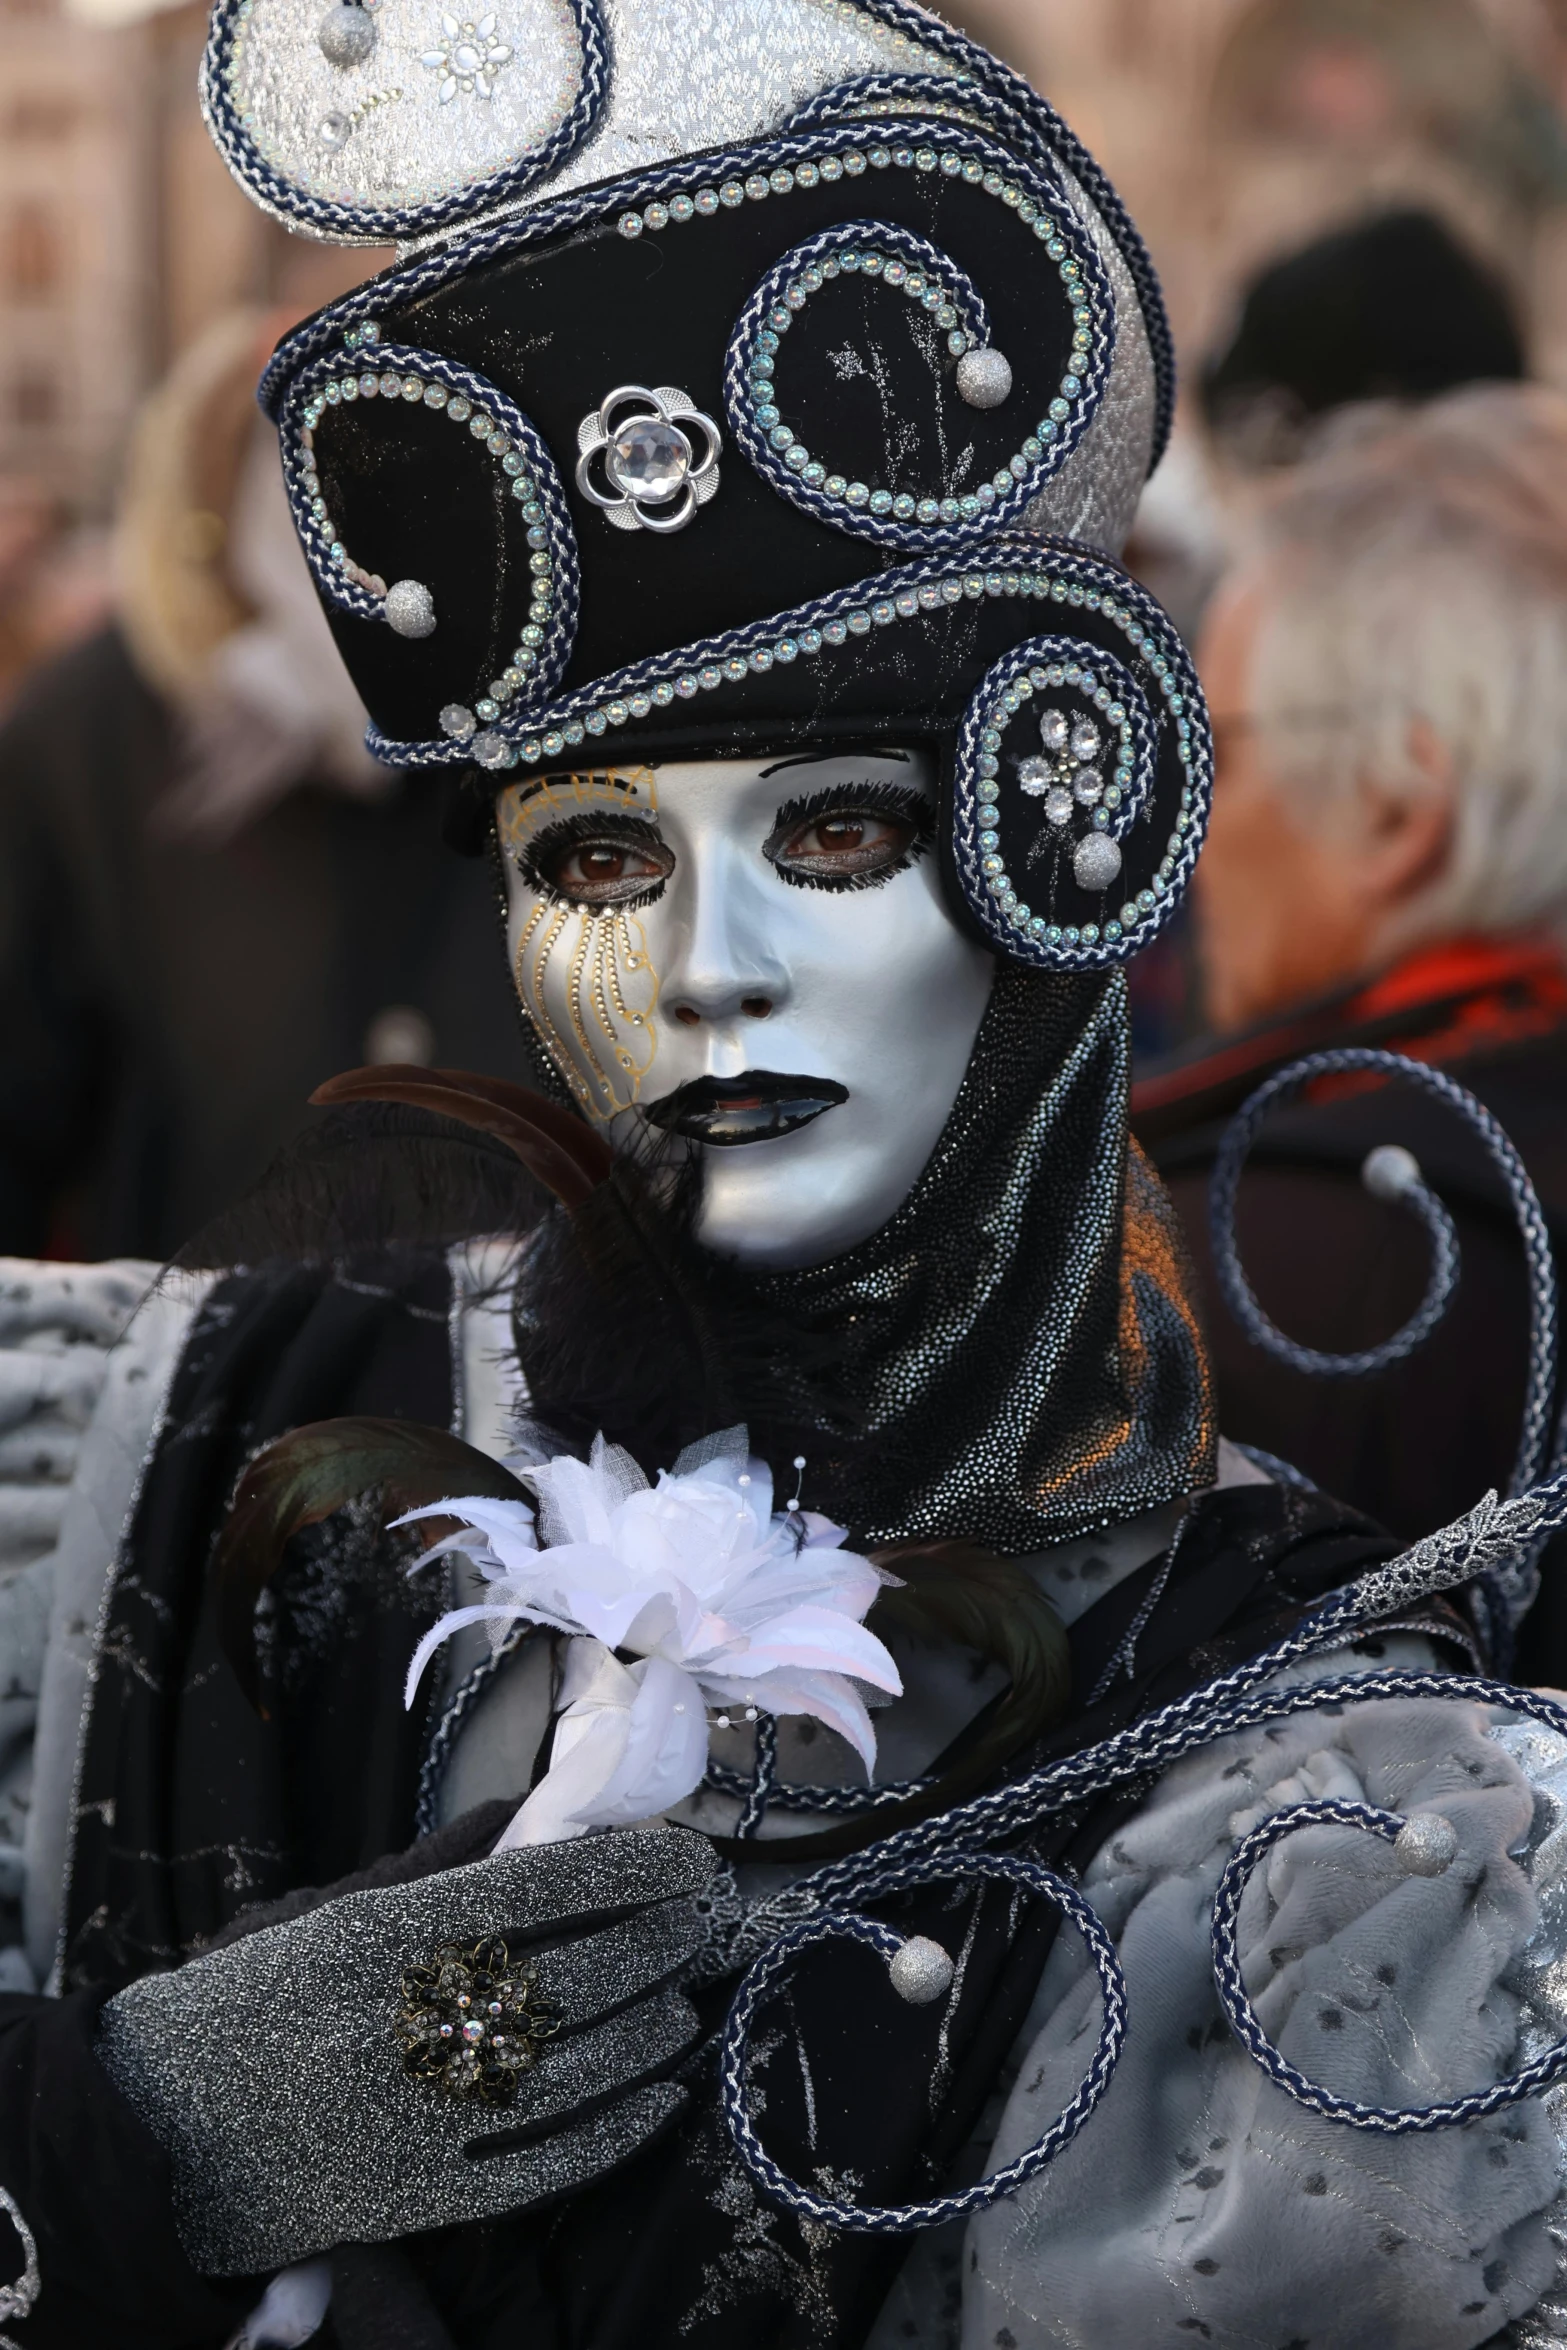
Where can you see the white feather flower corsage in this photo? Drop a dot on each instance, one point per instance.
(717, 1598)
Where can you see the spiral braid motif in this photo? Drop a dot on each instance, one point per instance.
(769, 1970)
(1395, 2121)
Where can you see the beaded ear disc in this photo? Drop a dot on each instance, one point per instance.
(1081, 782)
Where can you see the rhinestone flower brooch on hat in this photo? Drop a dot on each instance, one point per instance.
(638, 461)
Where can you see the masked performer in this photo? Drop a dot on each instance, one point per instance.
(721, 492)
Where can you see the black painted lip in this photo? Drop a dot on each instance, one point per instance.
(757, 1106)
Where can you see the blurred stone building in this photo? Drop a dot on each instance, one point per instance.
(121, 234)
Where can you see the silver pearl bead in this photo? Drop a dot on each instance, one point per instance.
(921, 1972)
(1390, 1171)
(1096, 861)
(984, 378)
(346, 35)
(1427, 1844)
(410, 608)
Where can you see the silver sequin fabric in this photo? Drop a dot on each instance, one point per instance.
(270, 2072)
(685, 75)
(1094, 496)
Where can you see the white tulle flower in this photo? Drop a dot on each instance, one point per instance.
(717, 1598)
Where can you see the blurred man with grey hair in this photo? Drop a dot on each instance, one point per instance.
(1387, 669)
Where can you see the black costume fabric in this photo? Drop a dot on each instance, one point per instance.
(555, 328)
(1417, 1444)
(190, 1806)
(674, 2249)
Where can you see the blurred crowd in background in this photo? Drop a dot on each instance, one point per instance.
(211, 899)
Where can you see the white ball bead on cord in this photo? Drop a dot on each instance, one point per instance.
(1389, 1172)
(1095, 861)
(410, 608)
(984, 378)
(921, 1971)
(1427, 1844)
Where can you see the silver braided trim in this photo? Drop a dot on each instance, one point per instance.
(840, 1802)
(760, 1792)
(444, 1736)
(770, 310)
(18, 2298)
(1389, 2121)
(1238, 1138)
(764, 1979)
(409, 364)
(1010, 923)
(1012, 106)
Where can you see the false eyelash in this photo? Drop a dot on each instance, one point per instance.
(901, 801)
(569, 832)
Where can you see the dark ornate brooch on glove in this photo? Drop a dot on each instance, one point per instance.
(473, 2023)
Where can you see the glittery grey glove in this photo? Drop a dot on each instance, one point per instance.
(366, 2071)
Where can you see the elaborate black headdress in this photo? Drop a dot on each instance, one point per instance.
(756, 373)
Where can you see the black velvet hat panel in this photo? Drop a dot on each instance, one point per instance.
(864, 376)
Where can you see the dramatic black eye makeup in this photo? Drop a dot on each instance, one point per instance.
(597, 857)
(852, 835)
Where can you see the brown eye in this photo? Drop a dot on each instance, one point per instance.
(844, 844)
(603, 869)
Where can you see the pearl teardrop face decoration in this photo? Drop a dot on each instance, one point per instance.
(346, 34)
(410, 608)
(984, 378)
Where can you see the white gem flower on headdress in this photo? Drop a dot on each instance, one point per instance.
(718, 1598)
(470, 57)
(641, 444)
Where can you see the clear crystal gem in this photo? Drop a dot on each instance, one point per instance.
(1058, 805)
(1087, 786)
(1035, 776)
(1053, 729)
(650, 458)
(1085, 739)
(473, 2031)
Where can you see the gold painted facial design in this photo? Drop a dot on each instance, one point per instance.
(588, 845)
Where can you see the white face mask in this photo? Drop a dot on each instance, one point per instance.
(756, 956)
